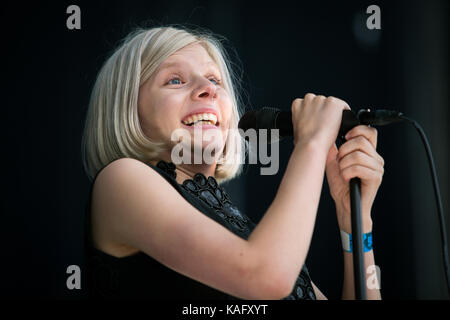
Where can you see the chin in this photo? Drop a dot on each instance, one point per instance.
(203, 152)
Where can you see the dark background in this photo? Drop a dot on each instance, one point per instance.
(285, 50)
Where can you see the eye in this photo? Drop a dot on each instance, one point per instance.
(174, 80)
(215, 81)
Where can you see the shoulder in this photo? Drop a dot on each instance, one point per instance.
(124, 180)
(123, 175)
(121, 166)
(118, 187)
(125, 170)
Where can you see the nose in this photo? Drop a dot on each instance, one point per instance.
(206, 90)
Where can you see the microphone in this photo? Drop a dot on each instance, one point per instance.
(272, 118)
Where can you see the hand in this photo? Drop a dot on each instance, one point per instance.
(357, 157)
(316, 119)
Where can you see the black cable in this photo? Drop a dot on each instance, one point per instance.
(437, 194)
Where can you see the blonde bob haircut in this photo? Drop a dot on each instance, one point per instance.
(112, 129)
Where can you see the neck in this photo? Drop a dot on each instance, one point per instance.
(187, 171)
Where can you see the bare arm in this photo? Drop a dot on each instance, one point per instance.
(141, 209)
(284, 235)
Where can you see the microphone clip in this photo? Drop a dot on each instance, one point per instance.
(367, 117)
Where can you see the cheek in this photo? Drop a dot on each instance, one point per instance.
(160, 117)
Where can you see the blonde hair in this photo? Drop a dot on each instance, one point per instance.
(112, 128)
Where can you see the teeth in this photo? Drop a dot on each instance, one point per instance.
(201, 122)
(207, 117)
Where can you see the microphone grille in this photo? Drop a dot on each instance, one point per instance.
(263, 118)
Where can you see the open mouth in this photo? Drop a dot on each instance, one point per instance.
(201, 119)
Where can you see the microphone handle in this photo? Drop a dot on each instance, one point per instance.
(283, 122)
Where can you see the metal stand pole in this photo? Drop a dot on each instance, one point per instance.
(349, 121)
(357, 238)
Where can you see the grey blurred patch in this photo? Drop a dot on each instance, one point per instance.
(366, 38)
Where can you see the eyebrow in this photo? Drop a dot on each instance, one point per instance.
(168, 65)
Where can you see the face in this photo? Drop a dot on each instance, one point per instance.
(186, 93)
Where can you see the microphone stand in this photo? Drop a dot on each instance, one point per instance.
(350, 120)
(357, 239)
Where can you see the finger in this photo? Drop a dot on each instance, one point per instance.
(359, 143)
(338, 101)
(363, 173)
(369, 133)
(309, 97)
(361, 159)
(296, 104)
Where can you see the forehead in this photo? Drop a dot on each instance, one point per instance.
(195, 55)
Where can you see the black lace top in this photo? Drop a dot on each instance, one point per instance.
(139, 276)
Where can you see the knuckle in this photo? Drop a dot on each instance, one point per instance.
(332, 100)
(336, 101)
(344, 103)
(296, 103)
(309, 96)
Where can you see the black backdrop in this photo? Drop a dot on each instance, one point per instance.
(285, 51)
